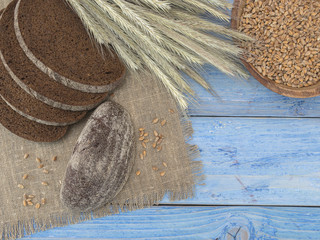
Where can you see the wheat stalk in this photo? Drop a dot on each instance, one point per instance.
(168, 37)
(202, 7)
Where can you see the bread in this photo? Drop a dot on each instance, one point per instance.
(35, 82)
(37, 96)
(101, 161)
(28, 129)
(63, 49)
(30, 107)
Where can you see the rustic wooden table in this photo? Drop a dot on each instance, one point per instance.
(261, 156)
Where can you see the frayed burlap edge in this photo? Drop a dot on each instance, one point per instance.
(31, 226)
(21, 229)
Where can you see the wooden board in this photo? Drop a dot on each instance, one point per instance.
(264, 161)
(277, 165)
(239, 97)
(272, 161)
(216, 223)
(248, 160)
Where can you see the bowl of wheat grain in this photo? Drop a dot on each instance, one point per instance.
(285, 53)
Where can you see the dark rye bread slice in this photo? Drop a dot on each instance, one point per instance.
(28, 129)
(30, 107)
(62, 48)
(34, 81)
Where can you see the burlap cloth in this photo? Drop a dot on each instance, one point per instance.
(146, 100)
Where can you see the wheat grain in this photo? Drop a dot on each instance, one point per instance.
(286, 49)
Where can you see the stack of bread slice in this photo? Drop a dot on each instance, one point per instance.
(51, 72)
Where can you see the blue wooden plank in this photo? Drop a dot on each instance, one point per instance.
(264, 161)
(247, 161)
(197, 223)
(238, 97)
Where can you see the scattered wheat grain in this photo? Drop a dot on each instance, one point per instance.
(159, 148)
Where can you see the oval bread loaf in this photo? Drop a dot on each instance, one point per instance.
(101, 161)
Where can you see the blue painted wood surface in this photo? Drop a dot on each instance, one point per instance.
(247, 160)
(258, 148)
(198, 223)
(238, 97)
(264, 161)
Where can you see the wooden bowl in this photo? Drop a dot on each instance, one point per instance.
(304, 92)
